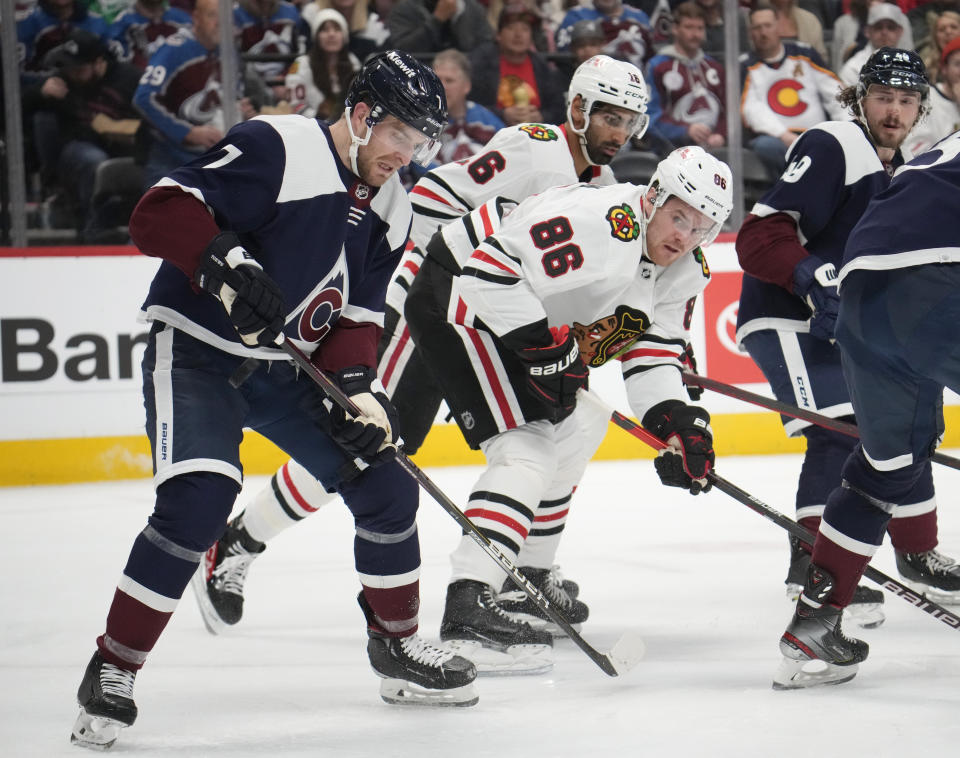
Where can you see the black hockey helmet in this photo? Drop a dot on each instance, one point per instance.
(891, 67)
(394, 83)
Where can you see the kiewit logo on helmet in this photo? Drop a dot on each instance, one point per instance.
(398, 61)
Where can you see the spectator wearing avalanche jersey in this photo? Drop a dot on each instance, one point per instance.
(786, 90)
(626, 29)
(268, 27)
(470, 126)
(139, 31)
(687, 103)
(179, 95)
(49, 25)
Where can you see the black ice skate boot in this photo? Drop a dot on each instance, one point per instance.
(415, 672)
(932, 574)
(518, 605)
(106, 704)
(218, 583)
(476, 627)
(815, 634)
(569, 586)
(864, 609)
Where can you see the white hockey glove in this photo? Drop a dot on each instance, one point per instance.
(250, 297)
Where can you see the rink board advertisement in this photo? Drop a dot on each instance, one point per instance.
(71, 344)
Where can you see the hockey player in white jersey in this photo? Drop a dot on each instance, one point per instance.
(576, 276)
(606, 107)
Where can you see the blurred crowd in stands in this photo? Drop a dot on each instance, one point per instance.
(116, 93)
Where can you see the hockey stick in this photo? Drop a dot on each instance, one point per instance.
(627, 651)
(757, 505)
(836, 425)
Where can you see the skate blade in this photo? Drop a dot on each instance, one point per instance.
(516, 660)
(941, 597)
(864, 615)
(402, 692)
(95, 732)
(211, 619)
(542, 625)
(804, 674)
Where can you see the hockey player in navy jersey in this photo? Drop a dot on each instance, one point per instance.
(897, 330)
(575, 277)
(607, 103)
(790, 248)
(288, 226)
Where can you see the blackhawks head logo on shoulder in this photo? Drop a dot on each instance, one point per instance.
(539, 132)
(623, 223)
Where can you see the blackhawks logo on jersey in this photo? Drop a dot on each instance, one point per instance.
(700, 258)
(610, 336)
(539, 132)
(623, 223)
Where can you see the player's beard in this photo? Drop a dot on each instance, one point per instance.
(596, 154)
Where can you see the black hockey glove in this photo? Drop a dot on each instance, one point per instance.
(816, 282)
(251, 298)
(555, 372)
(373, 435)
(688, 457)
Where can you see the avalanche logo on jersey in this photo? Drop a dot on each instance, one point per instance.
(539, 132)
(623, 223)
(321, 308)
(608, 337)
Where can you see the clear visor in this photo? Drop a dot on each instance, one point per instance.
(402, 139)
(695, 228)
(630, 122)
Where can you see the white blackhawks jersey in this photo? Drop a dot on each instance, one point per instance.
(574, 256)
(518, 162)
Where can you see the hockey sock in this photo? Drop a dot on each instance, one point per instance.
(540, 548)
(913, 528)
(291, 495)
(392, 611)
(820, 473)
(189, 516)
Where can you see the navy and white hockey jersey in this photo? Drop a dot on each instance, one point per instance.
(832, 173)
(914, 221)
(329, 241)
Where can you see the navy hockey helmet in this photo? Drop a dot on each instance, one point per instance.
(900, 69)
(394, 83)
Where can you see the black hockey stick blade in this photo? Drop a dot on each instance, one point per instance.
(771, 404)
(758, 506)
(627, 651)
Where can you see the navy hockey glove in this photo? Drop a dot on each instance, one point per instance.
(373, 435)
(688, 457)
(816, 282)
(251, 298)
(555, 372)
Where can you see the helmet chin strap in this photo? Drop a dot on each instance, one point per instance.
(356, 142)
(581, 133)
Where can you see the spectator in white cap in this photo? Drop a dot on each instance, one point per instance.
(885, 25)
(318, 81)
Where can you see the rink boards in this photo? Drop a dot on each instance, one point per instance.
(71, 345)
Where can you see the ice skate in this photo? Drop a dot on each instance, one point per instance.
(931, 574)
(518, 605)
(814, 648)
(569, 586)
(477, 628)
(106, 704)
(417, 673)
(864, 610)
(218, 583)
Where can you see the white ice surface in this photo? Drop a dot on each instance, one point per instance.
(701, 579)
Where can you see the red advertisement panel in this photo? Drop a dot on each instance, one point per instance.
(723, 361)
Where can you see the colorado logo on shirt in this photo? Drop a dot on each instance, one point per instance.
(784, 98)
